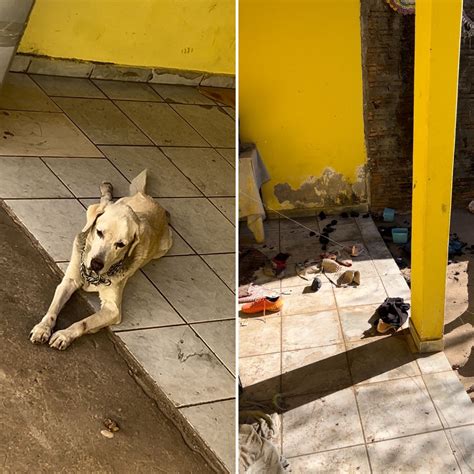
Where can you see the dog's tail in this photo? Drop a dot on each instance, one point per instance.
(138, 184)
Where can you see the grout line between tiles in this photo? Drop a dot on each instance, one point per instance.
(172, 325)
(227, 399)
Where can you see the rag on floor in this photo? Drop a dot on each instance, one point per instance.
(258, 453)
(393, 311)
(249, 293)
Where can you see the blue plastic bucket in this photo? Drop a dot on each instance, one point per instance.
(388, 214)
(400, 235)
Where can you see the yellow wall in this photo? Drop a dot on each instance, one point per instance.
(181, 34)
(301, 97)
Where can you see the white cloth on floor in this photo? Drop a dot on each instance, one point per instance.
(257, 454)
(252, 174)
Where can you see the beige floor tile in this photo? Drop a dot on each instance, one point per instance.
(228, 154)
(346, 232)
(203, 227)
(260, 376)
(28, 178)
(144, 306)
(365, 266)
(230, 111)
(355, 321)
(215, 423)
(119, 90)
(369, 231)
(342, 461)
(102, 121)
(164, 179)
(450, 398)
(315, 370)
(224, 266)
(162, 124)
(432, 363)
(226, 205)
(340, 221)
(423, 453)
(381, 358)
(205, 168)
(298, 301)
(43, 134)
(182, 94)
(211, 122)
(396, 408)
(192, 288)
(60, 67)
(68, 86)
(317, 423)
(220, 337)
(302, 331)
(370, 291)
(461, 441)
(19, 92)
(53, 222)
(396, 286)
(179, 247)
(261, 335)
(83, 176)
(174, 356)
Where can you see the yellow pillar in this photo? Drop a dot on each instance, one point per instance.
(437, 43)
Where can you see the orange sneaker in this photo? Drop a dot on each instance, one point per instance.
(269, 303)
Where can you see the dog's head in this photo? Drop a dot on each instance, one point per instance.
(113, 232)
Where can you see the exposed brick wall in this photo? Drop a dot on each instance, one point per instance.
(387, 58)
(463, 186)
(388, 68)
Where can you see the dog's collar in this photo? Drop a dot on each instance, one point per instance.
(96, 280)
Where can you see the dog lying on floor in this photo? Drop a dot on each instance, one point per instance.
(117, 240)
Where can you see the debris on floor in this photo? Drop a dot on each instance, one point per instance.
(250, 261)
(471, 207)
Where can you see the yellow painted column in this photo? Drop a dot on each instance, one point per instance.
(437, 43)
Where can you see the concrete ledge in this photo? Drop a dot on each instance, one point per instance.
(114, 72)
(435, 345)
(190, 435)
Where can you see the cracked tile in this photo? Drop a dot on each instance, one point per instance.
(173, 355)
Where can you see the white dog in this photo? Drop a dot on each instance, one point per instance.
(117, 240)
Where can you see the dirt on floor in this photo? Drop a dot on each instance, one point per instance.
(459, 312)
(53, 404)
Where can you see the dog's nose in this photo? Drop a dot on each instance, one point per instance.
(97, 265)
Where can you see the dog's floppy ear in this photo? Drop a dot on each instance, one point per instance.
(93, 212)
(135, 242)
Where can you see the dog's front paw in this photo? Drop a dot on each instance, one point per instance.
(60, 340)
(40, 333)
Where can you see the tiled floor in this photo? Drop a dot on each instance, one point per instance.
(61, 138)
(352, 401)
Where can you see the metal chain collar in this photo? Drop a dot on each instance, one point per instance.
(95, 279)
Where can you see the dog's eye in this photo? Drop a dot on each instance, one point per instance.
(120, 245)
(100, 233)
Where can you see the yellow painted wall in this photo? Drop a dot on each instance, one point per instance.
(181, 34)
(301, 90)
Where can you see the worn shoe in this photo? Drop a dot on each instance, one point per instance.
(267, 304)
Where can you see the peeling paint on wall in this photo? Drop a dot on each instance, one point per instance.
(331, 189)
